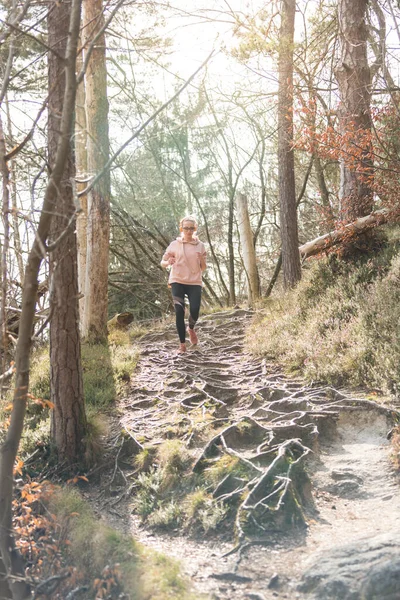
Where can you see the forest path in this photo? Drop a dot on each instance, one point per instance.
(351, 546)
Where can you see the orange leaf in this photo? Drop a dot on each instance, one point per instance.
(18, 466)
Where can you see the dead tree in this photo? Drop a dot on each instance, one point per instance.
(248, 250)
(98, 200)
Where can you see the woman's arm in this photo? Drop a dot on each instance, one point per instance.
(168, 258)
(202, 260)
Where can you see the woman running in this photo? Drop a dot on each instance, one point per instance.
(187, 257)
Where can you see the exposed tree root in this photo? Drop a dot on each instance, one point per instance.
(248, 428)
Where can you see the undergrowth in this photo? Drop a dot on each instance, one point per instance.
(107, 370)
(171, 496)
(340, 324)
(58, 535)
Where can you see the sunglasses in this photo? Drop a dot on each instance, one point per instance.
(188, 228)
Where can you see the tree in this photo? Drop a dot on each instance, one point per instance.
(354, 79)
(11, 561)
(68, 421)
(95, 315)
(81, 172)
(287, 193)
(248, 250)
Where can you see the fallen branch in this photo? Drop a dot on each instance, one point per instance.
(336, 237)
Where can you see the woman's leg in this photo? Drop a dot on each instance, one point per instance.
(194, 294)
(178, 297)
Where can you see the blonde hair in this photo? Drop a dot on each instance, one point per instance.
(188, 218)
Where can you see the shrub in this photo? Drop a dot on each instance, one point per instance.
(340, 324)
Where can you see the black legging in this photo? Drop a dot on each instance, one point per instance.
(193, 292)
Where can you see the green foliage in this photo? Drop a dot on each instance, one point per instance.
(224, 466)
(202, 510)
(168, 516)
(148, 496)
(341, 323)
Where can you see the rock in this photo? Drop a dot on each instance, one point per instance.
(383, 582)
(274, 582)
(368, 569)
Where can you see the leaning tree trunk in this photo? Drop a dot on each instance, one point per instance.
(11, 558)
(354, 80)
(287, 192)
(248, 249)
(68, 421)
(98, 224)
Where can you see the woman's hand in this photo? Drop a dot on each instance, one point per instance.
(171, 260)
(202, 262)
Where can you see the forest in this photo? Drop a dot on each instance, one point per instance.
(275, 126)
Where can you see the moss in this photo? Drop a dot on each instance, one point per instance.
(224, 466)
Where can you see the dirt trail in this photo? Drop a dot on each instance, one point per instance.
(355, 491)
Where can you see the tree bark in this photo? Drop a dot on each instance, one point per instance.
(81, 168)
(287, 193)
(323, 190)
(5, 175)
(98, 224)
(11, 558)
(248, 250)
(354, 80)
(231, 251)
(68, 422)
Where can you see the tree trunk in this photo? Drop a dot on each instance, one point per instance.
(5, 591)
(81, 169)
(354, 80)
(287, 193)
(68, 422)
(5, 175)
(248, 250)
(231, 253)
(349, 231)
(98, 226)
(323, 190)
(11, 559)
(13, 190)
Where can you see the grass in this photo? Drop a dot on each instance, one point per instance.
(340, 324)
(107, 370)
(105, 558)
(171, 496)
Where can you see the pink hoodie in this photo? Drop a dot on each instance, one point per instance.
(186, 268)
